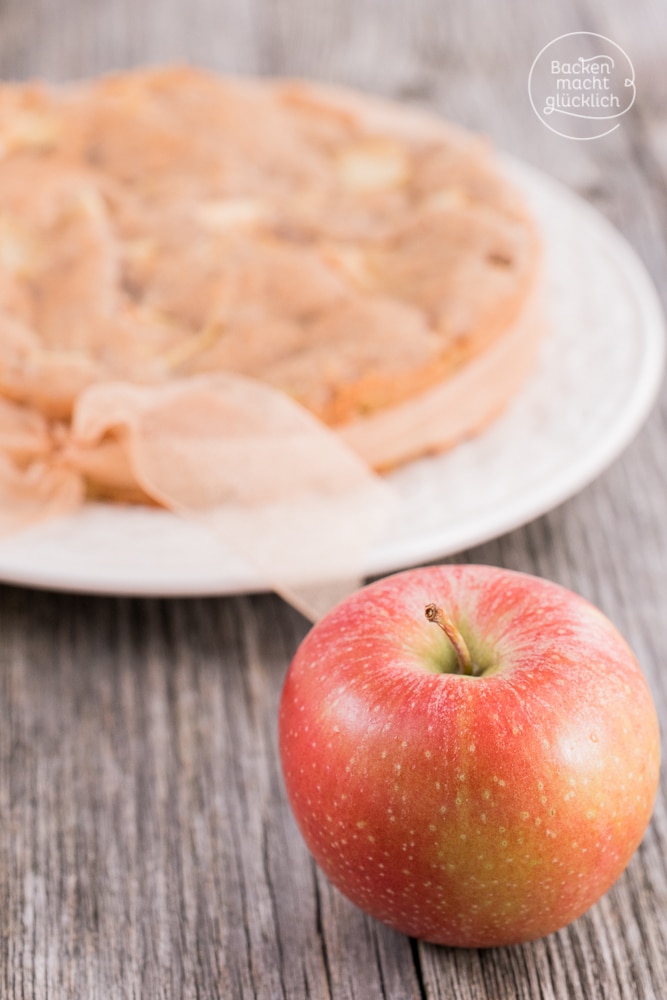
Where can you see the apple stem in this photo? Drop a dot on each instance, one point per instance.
(437, 615)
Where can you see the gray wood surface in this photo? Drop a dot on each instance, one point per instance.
(146, 846)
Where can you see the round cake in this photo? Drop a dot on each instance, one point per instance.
(368, 260)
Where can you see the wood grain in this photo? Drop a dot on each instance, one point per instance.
(146, 846)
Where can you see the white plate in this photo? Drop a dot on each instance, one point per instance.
(600, 370)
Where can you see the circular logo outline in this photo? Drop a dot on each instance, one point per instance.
(630, 82)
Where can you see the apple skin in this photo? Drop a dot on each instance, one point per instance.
(469, 811)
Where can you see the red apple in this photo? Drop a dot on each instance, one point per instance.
(473, 809)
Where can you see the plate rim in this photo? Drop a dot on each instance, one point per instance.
(632, 417)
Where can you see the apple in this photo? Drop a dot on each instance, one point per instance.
(471, 754)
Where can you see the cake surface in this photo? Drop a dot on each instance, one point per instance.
(356, 255)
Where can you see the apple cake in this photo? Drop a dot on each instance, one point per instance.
(368, 260)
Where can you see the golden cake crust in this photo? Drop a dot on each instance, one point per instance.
(167, 223)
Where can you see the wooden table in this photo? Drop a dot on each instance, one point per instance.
(146, 846)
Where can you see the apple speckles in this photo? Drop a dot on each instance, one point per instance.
(486, 793)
